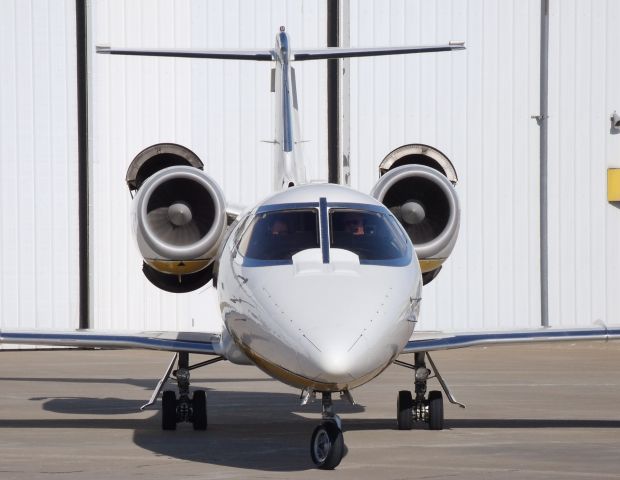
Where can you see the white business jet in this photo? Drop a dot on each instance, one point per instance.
(365, 256)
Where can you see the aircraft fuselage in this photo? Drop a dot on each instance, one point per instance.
(322, 306)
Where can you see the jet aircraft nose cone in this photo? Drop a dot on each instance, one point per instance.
(335, 366)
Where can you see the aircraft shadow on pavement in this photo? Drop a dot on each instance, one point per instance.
(255, 430)
(258, 430)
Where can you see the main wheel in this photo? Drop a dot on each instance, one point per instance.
(169, 410)
(327, 446)
(199, 406)
(435, 410)
(404, 415)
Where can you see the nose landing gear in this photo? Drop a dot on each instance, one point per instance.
(327, 442)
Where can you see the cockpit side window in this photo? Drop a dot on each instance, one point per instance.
(278, 235)
(372, 236)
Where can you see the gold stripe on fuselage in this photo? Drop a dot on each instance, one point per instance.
(299, 381)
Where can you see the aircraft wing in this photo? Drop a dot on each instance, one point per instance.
(191, 342)
(431, 341)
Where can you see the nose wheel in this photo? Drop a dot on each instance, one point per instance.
(327, 442)
(327, 446)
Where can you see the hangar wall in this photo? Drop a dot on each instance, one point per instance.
(39, 284)
(221, 110)
(584, 229)
(475, 106)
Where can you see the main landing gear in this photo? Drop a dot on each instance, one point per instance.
(425, 409)
(184, 407)
(327, 442)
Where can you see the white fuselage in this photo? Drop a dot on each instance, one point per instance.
(334, 308)
(327, 324)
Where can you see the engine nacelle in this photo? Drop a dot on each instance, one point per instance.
(179, 217)
(417, 190)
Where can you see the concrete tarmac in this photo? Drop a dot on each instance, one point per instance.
(545, 411)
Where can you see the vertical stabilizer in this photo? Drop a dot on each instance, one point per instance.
(288, 169)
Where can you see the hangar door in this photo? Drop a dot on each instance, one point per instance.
(475, 106)
(584, 228)
(39, 277)
(221, 110)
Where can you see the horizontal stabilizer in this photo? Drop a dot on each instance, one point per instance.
(259, 55)
(337, 52)
(269, 55)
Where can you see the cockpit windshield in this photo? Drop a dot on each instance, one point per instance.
(273, 236)
(371, 235)
(278, 235)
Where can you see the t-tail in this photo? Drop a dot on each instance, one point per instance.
(289, 169)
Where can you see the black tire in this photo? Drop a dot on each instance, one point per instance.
(169, 410)
(327, 446)
(199, 406)
(435, 410)
(404, 414)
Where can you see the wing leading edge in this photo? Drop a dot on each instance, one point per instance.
(190, 342)
(431, 341)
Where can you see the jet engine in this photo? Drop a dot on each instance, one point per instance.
(179, 217)
(417, 185)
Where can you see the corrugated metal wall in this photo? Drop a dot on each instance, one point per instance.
(220, 110)
(584, 228)
(38, 165)
(475, 106)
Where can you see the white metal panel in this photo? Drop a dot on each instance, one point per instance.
(475, 106)
(221, 110)
(583, 228)
(38, 165)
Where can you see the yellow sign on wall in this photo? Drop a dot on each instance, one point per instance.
(613, 184)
